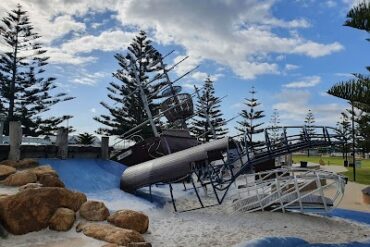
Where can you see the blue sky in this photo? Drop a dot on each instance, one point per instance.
(291, 51)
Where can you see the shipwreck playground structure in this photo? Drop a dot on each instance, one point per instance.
(249, 178)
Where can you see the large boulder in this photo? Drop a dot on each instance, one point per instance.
(50, 180)
(62, 219)
(130, 219)
(109, 233)
(31, 209)
(42, 170)
(20, 178)
(20, 164)
(95, 211)
(5, 171)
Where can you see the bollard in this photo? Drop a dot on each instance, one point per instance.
(62, 143)
(15, 139)
(105, 147)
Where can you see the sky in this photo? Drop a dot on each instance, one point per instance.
(291, 51)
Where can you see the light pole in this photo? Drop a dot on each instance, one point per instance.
(2, 121)
(353, 143)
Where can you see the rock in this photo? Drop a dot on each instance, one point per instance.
(80, 198)
(41, 170)
(49, 180)
(140, 244)
(130, 219)
(5, 171)
(30, 186)
(20, 178)
(111, 234)
(20, 164)
(93, 210)
(62, 219)
(31, 209)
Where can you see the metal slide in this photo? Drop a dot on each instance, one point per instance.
(169, 167)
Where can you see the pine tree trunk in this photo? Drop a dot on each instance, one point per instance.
(12, 86)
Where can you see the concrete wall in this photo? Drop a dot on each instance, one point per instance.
(50, 151)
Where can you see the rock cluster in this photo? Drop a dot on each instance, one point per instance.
(29, 171)
(20, 164)
(31, 209)
(42, 201)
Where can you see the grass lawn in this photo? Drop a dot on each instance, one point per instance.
(362, 174)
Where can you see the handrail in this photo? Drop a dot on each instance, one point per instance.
(255, 155)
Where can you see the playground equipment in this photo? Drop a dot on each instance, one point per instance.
(289, 188)
(222, 163)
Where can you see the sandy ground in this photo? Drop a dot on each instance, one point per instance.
(352, 198)
(213, 226)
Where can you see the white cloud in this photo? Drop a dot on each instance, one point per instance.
(93, 110)
(313, 49)
(294, 104)
(106, 41)
(58, 56)
(239, 35)
(289, 67)
(231, 33)
(70, 51)
(90, 79)
(309, 81)
(344, 75)
(201, 76)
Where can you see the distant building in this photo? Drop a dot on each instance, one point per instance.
(49, 140)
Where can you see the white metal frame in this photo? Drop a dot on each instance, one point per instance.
(288, 189)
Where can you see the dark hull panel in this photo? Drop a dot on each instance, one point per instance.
(155, 147)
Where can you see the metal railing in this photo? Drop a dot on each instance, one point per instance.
(284, 189)
(293, 138)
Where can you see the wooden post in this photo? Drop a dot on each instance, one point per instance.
(62, 143)
(15, 139)
(105, 148)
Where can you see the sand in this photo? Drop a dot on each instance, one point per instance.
(352, 198)
(213, 226)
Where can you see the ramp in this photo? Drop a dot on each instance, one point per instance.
(289, 189)
(87, 175)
